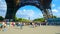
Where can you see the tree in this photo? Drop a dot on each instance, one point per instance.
(54, 17)
(1, 18)
(21, 20)
(39, 20)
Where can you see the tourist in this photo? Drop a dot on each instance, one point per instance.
(21, 25)
(1, 26)
(33, 25)
(4, 27)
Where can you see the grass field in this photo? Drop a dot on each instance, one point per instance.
(36, 30)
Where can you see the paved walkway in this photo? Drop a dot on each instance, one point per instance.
(36, 30)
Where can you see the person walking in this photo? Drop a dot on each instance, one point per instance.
(21, 25)
(1, 26)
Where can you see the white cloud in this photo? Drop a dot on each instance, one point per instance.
(3, 8)
(30, 13)
(54, 10)
(58, 15)
(40, 15)
(59, 8)
(53, 5)
(25, 12)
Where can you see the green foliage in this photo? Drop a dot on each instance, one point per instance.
(54, 17)
(39, 20)
(1, 18)
(21, 20)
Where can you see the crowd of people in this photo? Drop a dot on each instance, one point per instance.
(3, 25)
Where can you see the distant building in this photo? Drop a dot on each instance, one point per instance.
(53, 21)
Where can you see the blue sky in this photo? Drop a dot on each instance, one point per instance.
(30, 11)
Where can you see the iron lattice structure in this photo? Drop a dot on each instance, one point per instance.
(14, 5)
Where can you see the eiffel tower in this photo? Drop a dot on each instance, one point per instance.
(14, 5)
